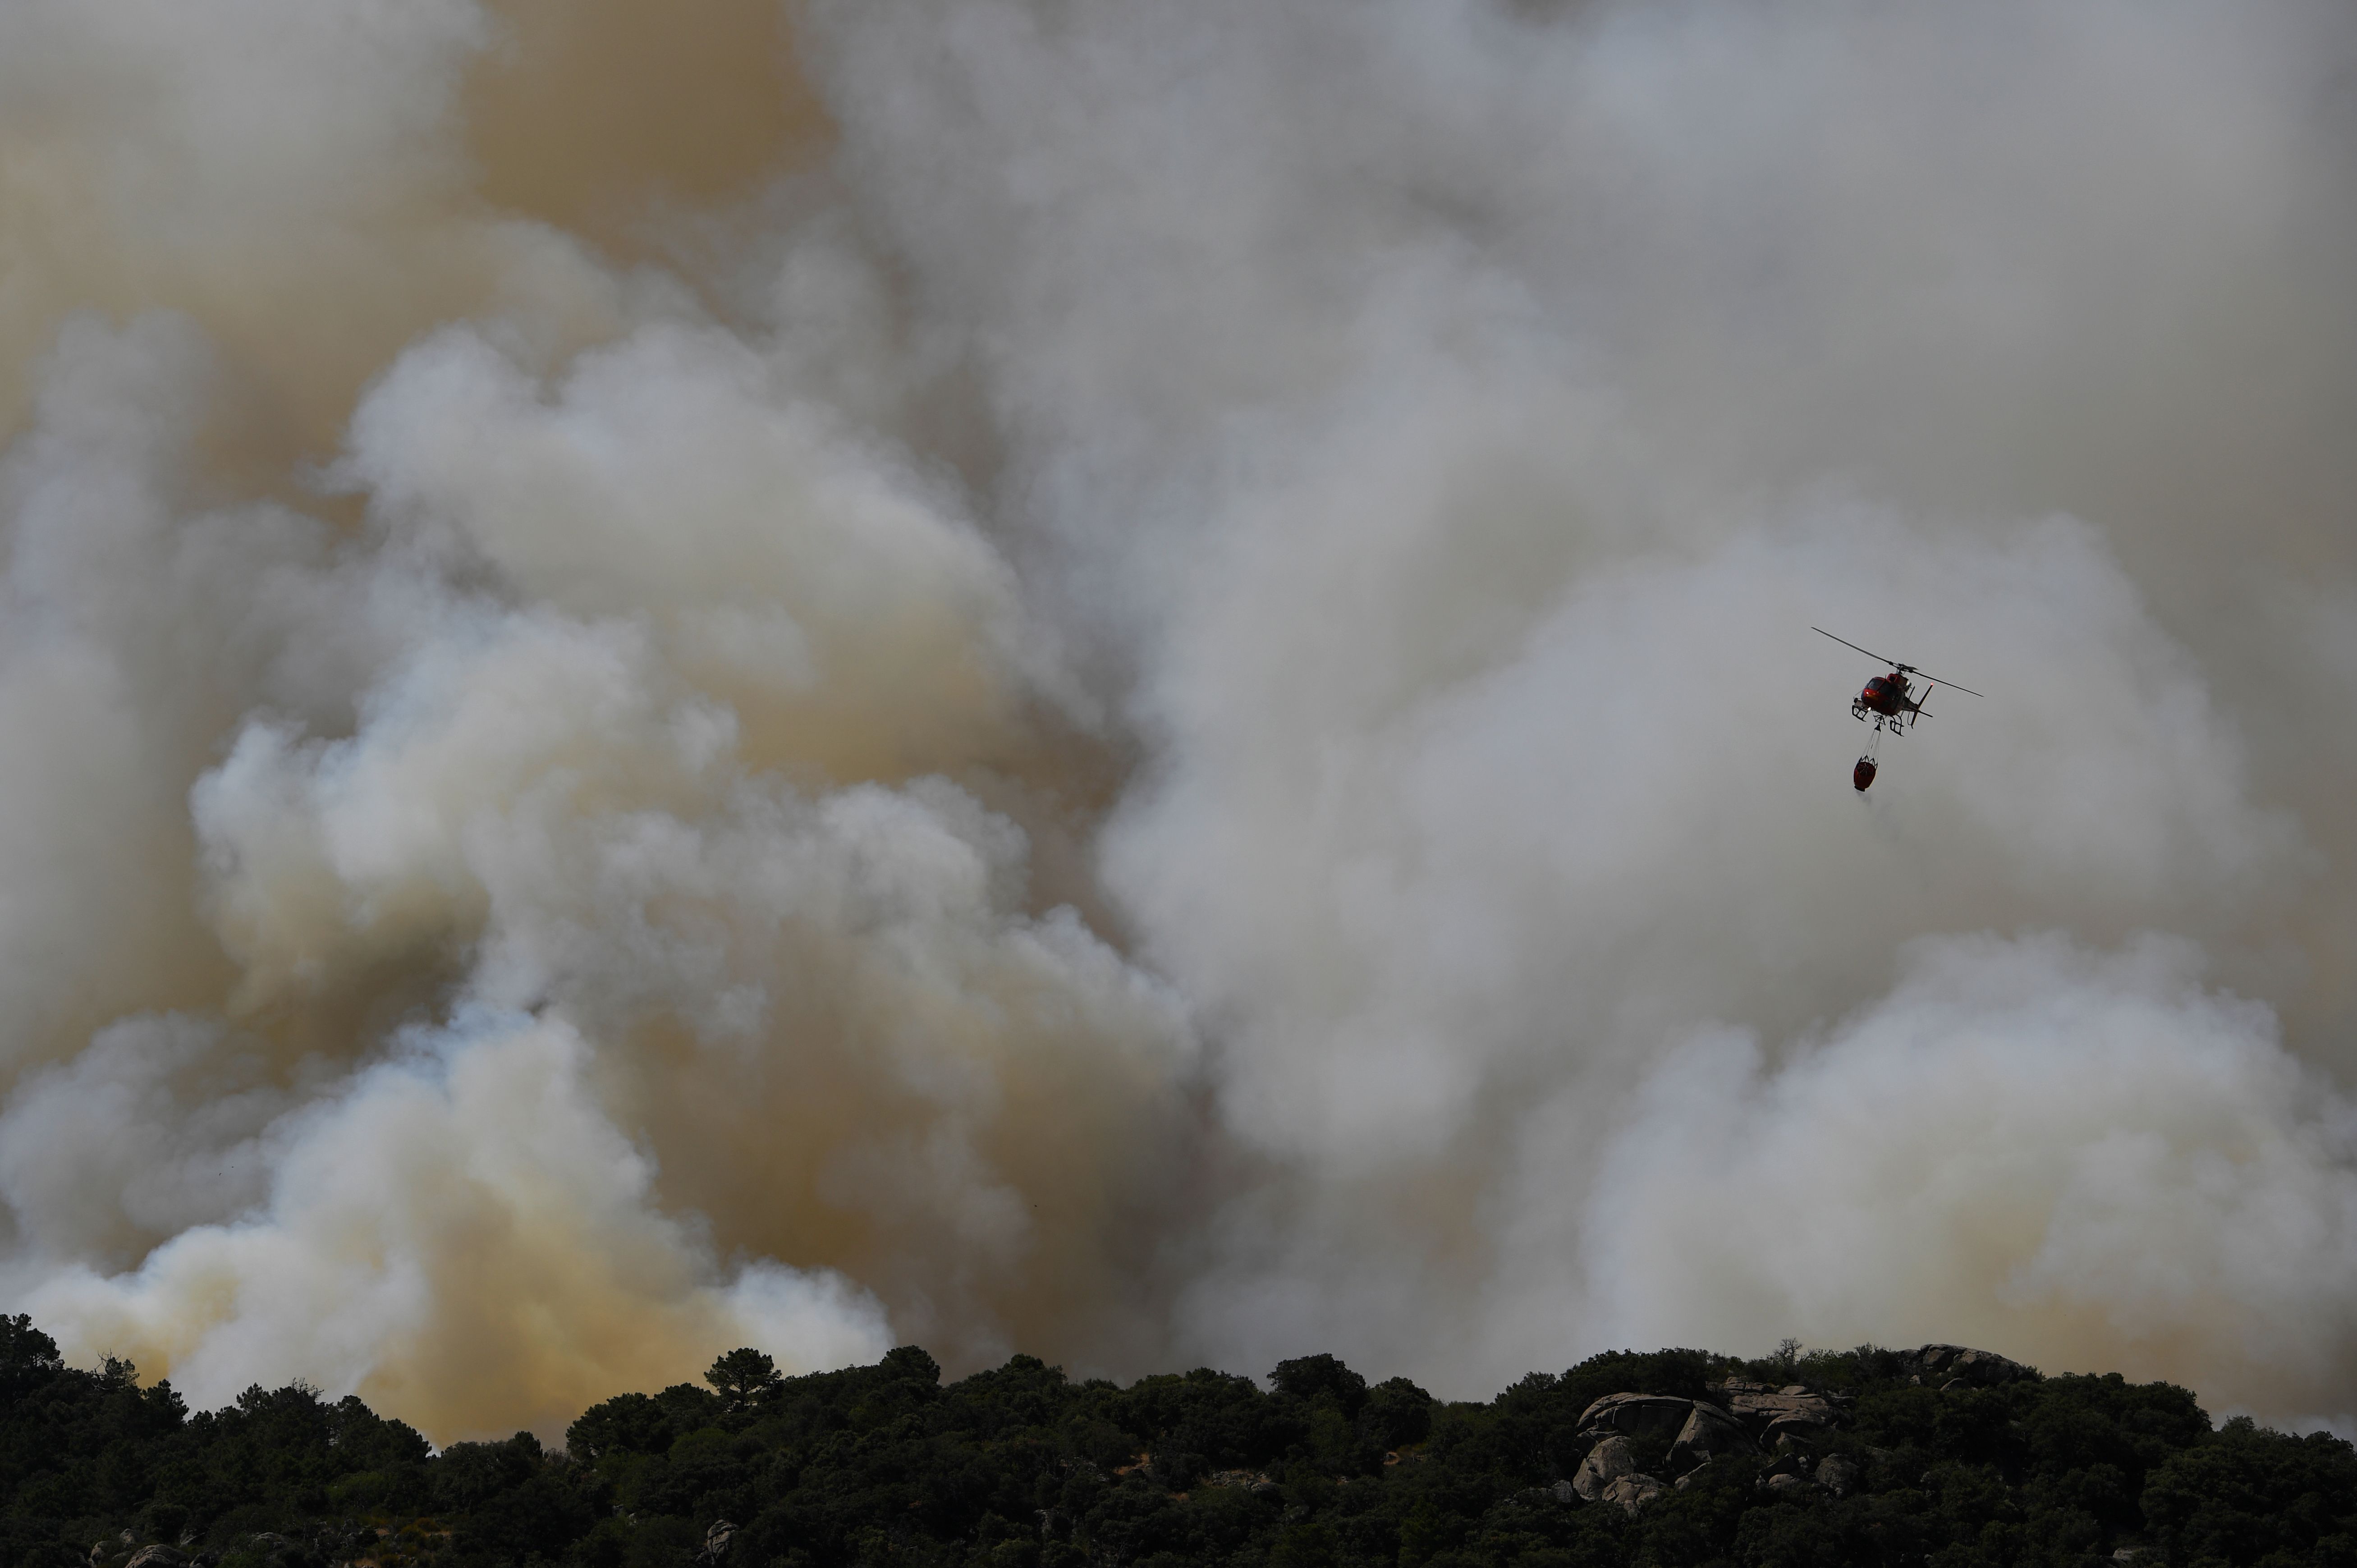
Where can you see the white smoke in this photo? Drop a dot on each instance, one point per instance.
(1475, 405)
(1161, 708)
(460, 1230)
(2019, 1133)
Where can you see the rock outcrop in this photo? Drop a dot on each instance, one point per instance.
(1694, 1431)
(1606, 1463)
(1790, 1424)
(1632, 1492)
(1769, 1413)
(1941, 1366)
(1637, 1415)
(1708, 1432)
(1610, 1474)
(1698, 1475)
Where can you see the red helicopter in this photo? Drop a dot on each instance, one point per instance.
(1891, 701)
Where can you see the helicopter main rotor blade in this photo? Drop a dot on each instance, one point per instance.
(1907, 669)
(1869, 652)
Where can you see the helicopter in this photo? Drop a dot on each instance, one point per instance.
(1891, 701)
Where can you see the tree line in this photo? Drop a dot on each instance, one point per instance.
(1024, 1467)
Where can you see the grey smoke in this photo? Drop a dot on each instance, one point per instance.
(1160, 709)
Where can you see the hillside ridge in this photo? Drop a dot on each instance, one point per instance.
(1942, 1455)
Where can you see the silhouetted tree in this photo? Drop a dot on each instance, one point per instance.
(742, 1376)
(1023, 1467)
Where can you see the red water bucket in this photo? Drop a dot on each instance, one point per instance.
(1863, 774)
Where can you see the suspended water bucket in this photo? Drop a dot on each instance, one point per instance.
(1863, 774)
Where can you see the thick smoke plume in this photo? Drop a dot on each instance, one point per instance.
(1133, 681)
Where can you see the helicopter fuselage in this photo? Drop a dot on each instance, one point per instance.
(1889, 696)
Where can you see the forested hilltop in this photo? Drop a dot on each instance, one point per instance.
(1938, 1456)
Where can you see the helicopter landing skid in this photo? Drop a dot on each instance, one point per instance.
(1882, 721)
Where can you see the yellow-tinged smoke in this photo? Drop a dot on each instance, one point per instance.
(1126, 680)
(633, 620)
(602, 117)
